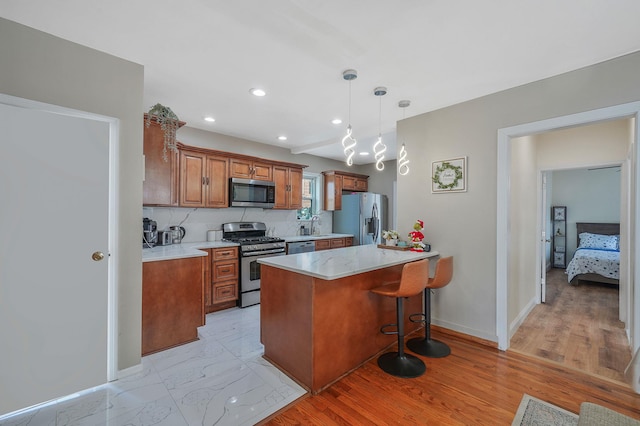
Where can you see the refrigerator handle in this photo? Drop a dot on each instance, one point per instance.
(376, 222)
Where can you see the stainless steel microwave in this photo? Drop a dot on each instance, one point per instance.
(251, 193)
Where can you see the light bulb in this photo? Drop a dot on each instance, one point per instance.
(379, 149)
(403, 163)
(349, 143)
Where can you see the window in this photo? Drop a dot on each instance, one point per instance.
(310, 196)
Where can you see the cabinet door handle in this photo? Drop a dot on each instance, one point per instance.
(204, 180)
(207, 180)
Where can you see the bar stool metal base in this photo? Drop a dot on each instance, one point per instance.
(405, 366)
(429, 347)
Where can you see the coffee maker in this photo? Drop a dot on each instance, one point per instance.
(149, 233)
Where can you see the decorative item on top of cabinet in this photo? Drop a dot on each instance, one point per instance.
(335, 182)
(559, 221)
(221, 279)
(203, 179)
(288, 182)
(250, 169)
(160, 186)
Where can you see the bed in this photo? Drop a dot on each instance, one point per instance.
(598, 255)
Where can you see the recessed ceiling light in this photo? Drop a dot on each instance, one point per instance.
(336, 121)
(364, 153)
(209, 119)
(282, 138)
(257, 92)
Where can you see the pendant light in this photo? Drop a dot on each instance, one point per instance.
(379, 147)
(348, 141)
(403, 163)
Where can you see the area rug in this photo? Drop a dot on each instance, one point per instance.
(533, 411)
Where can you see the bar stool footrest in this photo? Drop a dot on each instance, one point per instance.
(406, 366)
(419, 317)
(384, 327)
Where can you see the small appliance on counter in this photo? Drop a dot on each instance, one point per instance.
(149, 233)
(165, 238)
(177, 234)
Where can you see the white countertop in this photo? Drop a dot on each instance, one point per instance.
(298, 238)
(180, 251)
(344, 262)
(183, 250)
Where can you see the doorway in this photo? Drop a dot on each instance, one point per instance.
(57, 316)
(579, 326)
(505, 135)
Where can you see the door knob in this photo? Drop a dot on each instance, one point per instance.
(97, 256)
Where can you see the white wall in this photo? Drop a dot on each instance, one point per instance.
(44, 68)
(589, 195)
(523, 220)
(464, 224)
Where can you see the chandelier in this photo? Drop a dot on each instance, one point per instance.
(348, 141)
(403, 162)
(379, 147)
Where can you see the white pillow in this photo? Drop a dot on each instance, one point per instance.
(597, 241)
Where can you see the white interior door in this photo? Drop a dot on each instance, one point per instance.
(54, 210)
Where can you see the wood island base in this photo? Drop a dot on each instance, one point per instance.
(317, 330)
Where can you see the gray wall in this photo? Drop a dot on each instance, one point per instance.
(464, 224)
(589, 195)
(44, 68)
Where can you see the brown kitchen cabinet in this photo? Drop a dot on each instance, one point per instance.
(250, 169)
(160, 186)
(288, 181)
(355, 183)
(335, 182)
(172, 302)
(203, 180)
(331, 243)
(221, 288)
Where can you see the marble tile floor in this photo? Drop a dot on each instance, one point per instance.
(221, 379)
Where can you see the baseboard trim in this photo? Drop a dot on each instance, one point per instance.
(463, 336)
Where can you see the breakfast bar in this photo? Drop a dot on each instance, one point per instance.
(318, 319)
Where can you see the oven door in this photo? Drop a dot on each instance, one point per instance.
(250, 276)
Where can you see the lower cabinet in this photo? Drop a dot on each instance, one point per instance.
(331, 243)
(221, 278)
(172, 308)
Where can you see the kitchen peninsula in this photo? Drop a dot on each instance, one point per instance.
(318, 319)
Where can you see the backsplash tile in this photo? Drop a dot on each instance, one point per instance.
(197, 221)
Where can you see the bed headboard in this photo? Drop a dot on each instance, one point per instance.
(597, 228)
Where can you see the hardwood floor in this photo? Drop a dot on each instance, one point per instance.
(577, 327)
(475, 385)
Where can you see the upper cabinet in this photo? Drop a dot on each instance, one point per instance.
(203, 179)
(288, 182)
(251, 169)
(355, 183)
(335, 182)
(160, 186)
(199, 177)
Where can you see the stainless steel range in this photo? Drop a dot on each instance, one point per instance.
(254, 245)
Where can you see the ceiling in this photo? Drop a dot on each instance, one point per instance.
(202, 57)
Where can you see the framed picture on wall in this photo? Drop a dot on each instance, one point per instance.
(449, 175)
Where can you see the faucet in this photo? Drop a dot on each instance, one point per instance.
(314, 220)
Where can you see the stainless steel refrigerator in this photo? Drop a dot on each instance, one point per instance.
(364, 215)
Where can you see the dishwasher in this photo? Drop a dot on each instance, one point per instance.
(301, 247)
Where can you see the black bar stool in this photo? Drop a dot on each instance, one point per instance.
(412, 282)
(427, 346)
